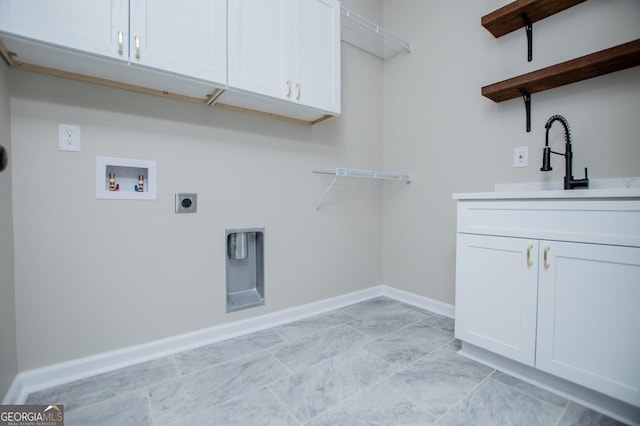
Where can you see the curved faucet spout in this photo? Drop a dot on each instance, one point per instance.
(569, 181)
(565, 124)
(546, 153)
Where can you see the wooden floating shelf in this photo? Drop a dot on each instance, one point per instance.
(606, 61)
(509, 18)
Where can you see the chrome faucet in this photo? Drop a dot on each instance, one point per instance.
(569, 181)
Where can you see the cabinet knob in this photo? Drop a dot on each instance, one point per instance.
(120, 43)
(529, 261)
(137, 43)
(298, 91)
(546, 257)
(288, 83)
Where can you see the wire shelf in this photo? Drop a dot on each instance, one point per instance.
(363, 34)
(357, 173)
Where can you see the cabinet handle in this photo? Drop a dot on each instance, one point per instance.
(137, 42)
(545, 257)
(298, 91)
(120, 43)
(288, 94)
(529, 261)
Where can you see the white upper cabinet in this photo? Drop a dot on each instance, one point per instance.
(316, 45)
(260, 46)
(184, 38)
(275, 57)
(286, 49)
(98, 27)
(164, 35)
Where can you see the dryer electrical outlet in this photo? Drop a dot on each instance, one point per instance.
(186, 203)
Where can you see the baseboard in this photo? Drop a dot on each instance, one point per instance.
(420, 301)
(37, 379)
(604, 404)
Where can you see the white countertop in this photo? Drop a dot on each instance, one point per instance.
(599, 188)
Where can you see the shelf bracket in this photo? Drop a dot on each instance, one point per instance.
(327, 191)
(528, 26)
(526, 96)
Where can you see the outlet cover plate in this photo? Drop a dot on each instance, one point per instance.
(69, 137)
(521, 156)
(186, 203)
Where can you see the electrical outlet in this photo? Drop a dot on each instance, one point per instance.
(68, 137)
(186, 203)
(521, 156)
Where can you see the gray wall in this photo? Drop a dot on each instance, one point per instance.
(438, 126)
(8, 349)
(95, 275)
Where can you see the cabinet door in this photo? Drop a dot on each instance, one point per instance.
(190, 40)
(496, 294)
(90, 26)
(589, 317)
(260, 47)
(316, 54)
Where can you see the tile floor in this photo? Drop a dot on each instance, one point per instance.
(379, 362)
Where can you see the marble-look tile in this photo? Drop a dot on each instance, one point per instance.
(441, 322)
(202, 389)
(340, 380)
(493, 403)
(577, 415)
(420, 310)
(387, 320)
(227, 350)
(408, 344)
(321, 387)
(129, 409)
(377, 405)
(370, 308)
(310, 350)
(255, 408)
(439, 380)
(107, 385)
(308, 326)
(531, 390)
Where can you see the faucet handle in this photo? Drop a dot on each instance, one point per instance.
(585, 173)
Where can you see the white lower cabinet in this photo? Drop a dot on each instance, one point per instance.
(566, 303)
(589, 316)
(496, 295)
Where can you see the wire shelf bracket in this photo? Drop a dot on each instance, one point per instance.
(357, 173)
(363, 34)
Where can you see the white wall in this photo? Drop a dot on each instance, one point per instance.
(95, 275)
(8, 354)
(438, 126)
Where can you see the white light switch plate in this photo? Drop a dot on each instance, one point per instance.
(68, 137)
(521, 156)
